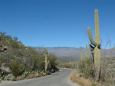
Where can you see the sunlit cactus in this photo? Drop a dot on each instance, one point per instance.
(95, 46)
(46, 59)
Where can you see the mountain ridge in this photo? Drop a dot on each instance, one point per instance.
(73, 52)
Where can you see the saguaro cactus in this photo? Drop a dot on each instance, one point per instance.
(46, 59)
(95, 46)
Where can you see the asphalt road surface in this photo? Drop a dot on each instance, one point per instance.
(60, 78)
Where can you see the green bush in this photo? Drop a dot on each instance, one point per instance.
(17, 68)
(52, 66)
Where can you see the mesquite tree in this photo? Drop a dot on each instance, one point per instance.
(95, 47)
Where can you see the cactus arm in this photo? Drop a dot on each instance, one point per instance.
(91, 38)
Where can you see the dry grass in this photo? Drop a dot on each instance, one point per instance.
(81, 81)
(108, 72)
(107, 77)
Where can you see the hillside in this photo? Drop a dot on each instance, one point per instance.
(17, 60)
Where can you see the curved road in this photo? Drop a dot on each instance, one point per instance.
(60, 78)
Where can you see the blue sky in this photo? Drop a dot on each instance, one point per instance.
(56, 23)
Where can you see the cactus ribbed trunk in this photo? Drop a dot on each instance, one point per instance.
(46, 59)
(46, 62)
(97, 52)
(97, 59)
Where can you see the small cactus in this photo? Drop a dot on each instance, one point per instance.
(46, 59)
(95, 46)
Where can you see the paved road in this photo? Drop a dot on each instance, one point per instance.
(56, 79)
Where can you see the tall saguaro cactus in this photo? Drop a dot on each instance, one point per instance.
(95, 46)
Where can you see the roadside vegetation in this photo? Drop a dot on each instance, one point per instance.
(18, 61)
(84, 73)
(93, 69)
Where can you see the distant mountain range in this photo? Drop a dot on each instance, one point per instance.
(75, 53)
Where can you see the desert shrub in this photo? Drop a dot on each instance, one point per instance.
(52, 66)
(17, 68)
(69, 64)
(66, 65)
